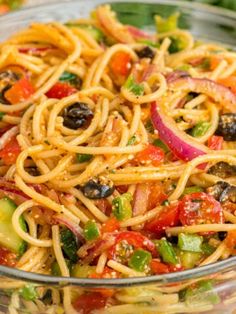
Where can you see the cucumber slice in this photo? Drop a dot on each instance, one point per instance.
(82, 271)
(8, 237)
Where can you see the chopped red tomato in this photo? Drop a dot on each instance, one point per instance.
(229, 82)
(61, 90)
(121, 63)
(156, 196)
(159, 268)
(20, 91)
(169, 217)
(111, 225)
(87, 303)
(107, 273)
(230, 241)
(214, 62)
(122, 188)
(5, 129)
(7, 258)
(104, 205)
(136, 239)
(215, 142)
(133, 239)
(4, 8)
(200, 208)
(10, 152)
(151, 155)
(35, 50)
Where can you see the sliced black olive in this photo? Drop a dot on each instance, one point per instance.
(33, 171)
(9, 76)
(98, 188)
(217, 189)
(3, 100)
(77, 115)
(7, 79)
(146, 52)
(222, 235)
(223, 192)
(229, 194)
(227, 126)
(223, 170)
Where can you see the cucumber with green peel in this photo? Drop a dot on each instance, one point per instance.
(82, 271)
(8, 237)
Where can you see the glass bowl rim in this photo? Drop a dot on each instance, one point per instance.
(195, 273)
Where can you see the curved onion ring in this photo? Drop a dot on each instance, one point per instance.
(112, 26)
(217, 91)
(178, 141)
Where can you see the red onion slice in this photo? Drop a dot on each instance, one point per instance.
(140, 202)
(178, 141)
(36, 50)
(8, 135)
(112, 26)
(138, 33)
(62, 219)
(217, 91)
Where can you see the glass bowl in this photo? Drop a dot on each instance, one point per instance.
(213, 287)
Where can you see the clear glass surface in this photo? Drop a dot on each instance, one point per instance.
(204, 22)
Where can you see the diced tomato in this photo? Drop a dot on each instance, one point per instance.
(4, 8)
(200, 208)
(35, 50)
(135, 239)
(121, 63)
(10, 152)
(159, 268)
(7, 258)
(87, 303)
(196, 61)
(20, 91)
(111, 225)
(151, 155)
(174, 268)
(229, 82)
(215, 142)
(230, 241)
(61, 90)
(156, 196)
(122, 188)
(104, 206)
(5, 129)
(214, 62)
(169, 217)
(107, 273)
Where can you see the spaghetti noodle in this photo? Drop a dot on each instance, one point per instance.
(118, 155)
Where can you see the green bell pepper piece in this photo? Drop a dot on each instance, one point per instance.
(167, 252)
(161, 144)
(121, 206)
(91, 231)
(140, 260)
(192, 189)
(200, 129)
(133, 87)
(83, 157)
